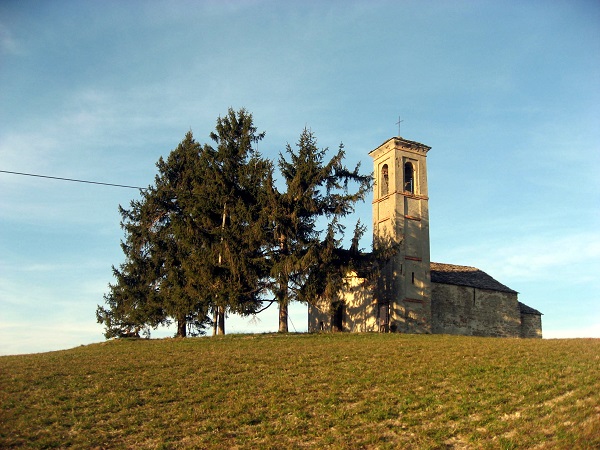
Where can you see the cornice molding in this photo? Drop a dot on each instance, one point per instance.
(403, 194)
(399, 143)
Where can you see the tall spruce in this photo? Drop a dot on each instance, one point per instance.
(195, 241)
(159, 243)
(309, 263)
(133, 302)
(240, 181)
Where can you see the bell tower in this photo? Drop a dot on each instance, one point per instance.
(401, 214)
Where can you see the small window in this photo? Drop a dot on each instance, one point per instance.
(385, 181)
(409, 178)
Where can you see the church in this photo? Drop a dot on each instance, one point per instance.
(411, 293)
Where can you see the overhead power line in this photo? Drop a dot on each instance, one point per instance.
(72, 180)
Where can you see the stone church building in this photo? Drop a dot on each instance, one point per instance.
(413, 294)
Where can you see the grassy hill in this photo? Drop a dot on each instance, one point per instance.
(305, 391)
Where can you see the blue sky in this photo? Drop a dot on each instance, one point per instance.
(507, 94)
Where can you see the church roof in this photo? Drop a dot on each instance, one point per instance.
(466, 276)
(524, 309)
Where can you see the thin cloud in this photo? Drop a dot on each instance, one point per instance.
(592, 331)
(8, 44)
(537, 256)
(37, 337)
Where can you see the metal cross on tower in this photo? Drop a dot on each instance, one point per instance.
(398, 123)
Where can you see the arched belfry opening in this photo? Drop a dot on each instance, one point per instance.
(385, 181)
(409, 177)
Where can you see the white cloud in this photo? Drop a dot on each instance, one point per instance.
(541, 256)
(534, 256)
(8, 44)
(26, 151)
(32, 337)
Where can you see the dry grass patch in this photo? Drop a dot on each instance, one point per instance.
(306, 391)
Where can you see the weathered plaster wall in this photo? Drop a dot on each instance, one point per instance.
(359, 309)
(474, 312)
(531, 326)
(319, 318)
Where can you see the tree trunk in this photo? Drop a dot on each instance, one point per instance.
(219, 325)
(283, 317)
(221, 321)
(181, 327)
(215, 320)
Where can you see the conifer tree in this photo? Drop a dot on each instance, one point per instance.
(240, 180)
(195, 241)
(132, 303)
(158, 235)
(309, 263)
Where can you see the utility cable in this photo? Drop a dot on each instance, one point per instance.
(72, 180)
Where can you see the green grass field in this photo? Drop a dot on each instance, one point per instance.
(306, 391)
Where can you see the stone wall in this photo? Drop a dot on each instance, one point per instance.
(457, 310)
(474, 312)
(411, 316)
(531, 326)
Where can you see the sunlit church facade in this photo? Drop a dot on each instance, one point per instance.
(412, 294)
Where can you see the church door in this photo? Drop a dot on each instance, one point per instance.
(337, 319)
(384, 318)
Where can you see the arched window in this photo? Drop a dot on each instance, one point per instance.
(385, 181)
(409, 178)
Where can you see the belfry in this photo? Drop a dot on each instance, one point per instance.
(401, 214)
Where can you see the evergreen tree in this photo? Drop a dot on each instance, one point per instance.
(153, 286)
(309, 263)
(195, 242)
(133, 303)
(240, 179)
